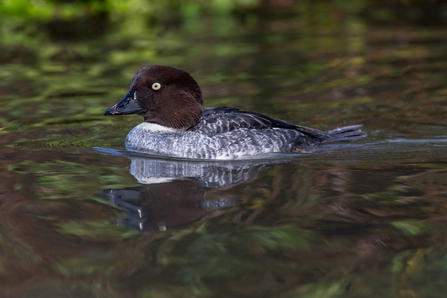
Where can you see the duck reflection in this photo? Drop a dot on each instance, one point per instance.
(172, 194)
(160, 206)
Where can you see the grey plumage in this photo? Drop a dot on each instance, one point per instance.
(227, 133)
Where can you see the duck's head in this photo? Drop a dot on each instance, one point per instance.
(162, 95)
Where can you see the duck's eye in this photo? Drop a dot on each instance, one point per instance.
(156, 86)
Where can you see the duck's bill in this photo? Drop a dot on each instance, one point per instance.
(128, 105)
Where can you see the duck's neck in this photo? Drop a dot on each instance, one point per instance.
(159, 128)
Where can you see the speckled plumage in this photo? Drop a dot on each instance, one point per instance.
(235, 144)
(225, 133)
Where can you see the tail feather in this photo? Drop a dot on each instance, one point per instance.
(345, 134)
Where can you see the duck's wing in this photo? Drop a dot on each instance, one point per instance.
(224, 119)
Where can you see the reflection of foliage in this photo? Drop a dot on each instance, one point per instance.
(300, 234)
(60, 179)
(48, 9)
(211, 254)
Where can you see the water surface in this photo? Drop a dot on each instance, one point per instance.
(81, 217)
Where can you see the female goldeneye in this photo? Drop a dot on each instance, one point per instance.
(175, 124)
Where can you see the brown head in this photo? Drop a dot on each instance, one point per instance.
(163, 95)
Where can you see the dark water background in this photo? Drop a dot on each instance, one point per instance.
(79, 217)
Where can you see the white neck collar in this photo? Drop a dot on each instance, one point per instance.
(157, 127)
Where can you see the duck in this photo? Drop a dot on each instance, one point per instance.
(176, 124)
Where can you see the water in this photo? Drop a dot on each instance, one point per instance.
(82, 217)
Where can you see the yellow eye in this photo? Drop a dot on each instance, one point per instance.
(156, 86)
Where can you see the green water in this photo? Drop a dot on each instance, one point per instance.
(80, 217)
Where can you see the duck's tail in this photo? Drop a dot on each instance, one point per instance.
(345, 134)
